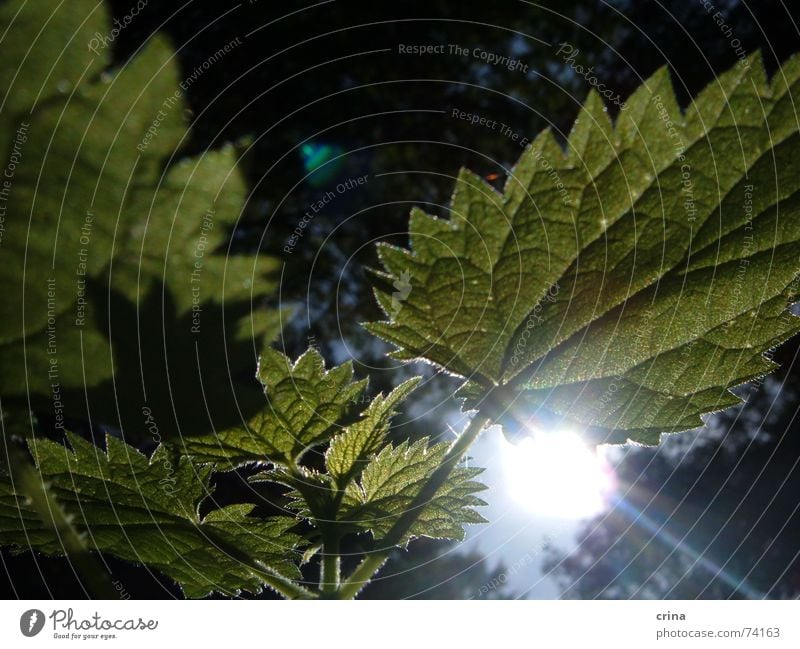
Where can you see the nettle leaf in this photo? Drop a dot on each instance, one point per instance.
(316, 495)
(32, 68)
(112, 243)
(350, 450)
(146, 510)
(77, 161)
(625, 284)
(305, 404)
(392, 480)
(368, 483)
(387, 487)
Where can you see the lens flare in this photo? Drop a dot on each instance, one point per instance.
(556, 474)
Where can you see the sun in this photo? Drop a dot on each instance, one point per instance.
(557, 474)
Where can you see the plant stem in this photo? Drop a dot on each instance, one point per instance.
(28, 482)
(281, 585)
(373, 562)
(331, 566)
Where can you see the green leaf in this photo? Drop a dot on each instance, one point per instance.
(622, 286)
(305, 405)
(350, 450)
(368, 483)
(33, 69)
(392, 480)
(147, 511)
(72, 194)
(118, 271)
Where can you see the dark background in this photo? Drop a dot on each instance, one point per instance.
(712, 514)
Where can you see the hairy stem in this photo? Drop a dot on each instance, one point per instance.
(331, 568)
(373, 562)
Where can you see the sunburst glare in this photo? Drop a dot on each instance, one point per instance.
(556, 474)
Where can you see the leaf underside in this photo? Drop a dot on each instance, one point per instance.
(113, 244)
(305, 404)
(367, 482)
(145, 510)
(621, 286)
(391, 482)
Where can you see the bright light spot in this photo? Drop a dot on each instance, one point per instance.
(556, 474)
